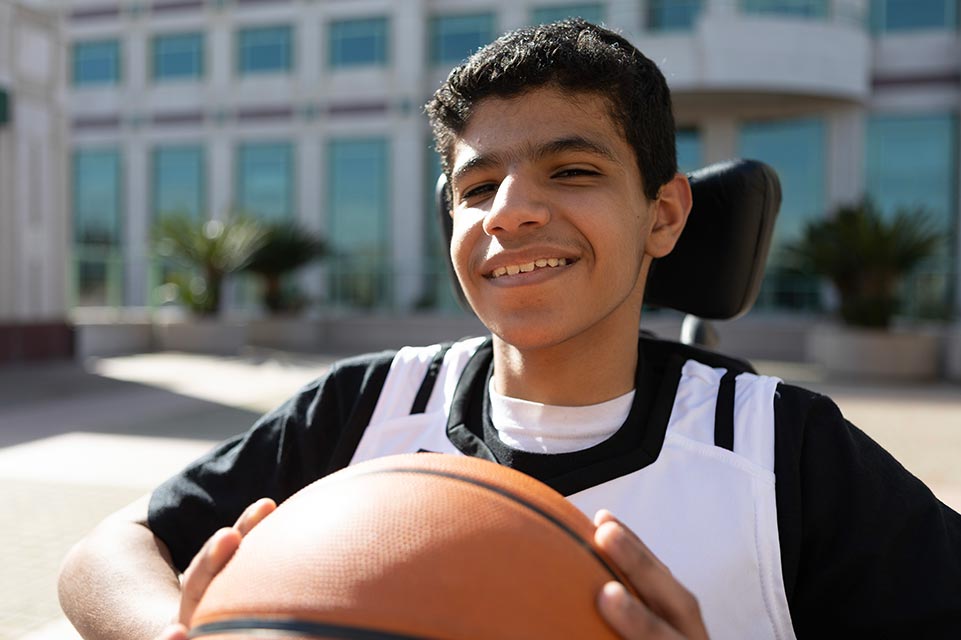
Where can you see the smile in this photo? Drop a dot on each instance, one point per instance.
(526, 267)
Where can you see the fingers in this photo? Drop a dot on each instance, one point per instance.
(253, 514)
(205, 565)
(661, 596)
(629, 617)
(173, 632)
(215, 554)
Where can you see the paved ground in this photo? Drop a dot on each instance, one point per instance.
(78, 442)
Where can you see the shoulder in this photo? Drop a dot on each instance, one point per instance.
(665, 350)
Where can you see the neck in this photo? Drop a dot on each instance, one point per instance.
(579, 372)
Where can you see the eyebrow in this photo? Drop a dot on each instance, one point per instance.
(538, 152)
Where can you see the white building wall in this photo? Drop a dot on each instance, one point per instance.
(34, 221)
(730, 69)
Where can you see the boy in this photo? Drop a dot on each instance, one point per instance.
(558, 143)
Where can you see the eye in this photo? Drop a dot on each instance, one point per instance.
(575, 172)
(478, 191)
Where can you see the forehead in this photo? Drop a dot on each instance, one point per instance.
(516, 125)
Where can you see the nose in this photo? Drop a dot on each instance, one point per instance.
(518, 205)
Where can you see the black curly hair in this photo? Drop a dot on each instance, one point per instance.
(574, 56)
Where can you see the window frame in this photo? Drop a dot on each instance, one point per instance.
(381, 59)
(201, 53)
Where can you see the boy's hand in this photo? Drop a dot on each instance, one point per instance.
(209, 561)
(665, 609)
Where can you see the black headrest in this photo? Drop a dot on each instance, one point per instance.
(716, 268)
(715, 271)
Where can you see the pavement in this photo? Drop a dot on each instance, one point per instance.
(80, 440)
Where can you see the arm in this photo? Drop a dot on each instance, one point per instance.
(118, 582)
(867, 549)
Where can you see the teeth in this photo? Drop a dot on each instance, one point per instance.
(514, 269)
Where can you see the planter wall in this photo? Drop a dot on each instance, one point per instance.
(214, 336)
(870, 353)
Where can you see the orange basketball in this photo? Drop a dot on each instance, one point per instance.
(414, 546)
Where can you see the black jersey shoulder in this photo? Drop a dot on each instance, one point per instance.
(661, 349)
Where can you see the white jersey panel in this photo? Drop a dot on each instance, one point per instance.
(708, 513)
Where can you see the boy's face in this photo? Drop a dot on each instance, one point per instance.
(550, 219)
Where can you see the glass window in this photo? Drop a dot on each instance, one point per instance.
(796, 150)
(912, 162)
(96, 196)
(454, 38)
(801, 8)
(358, 42)
(590, 11)
(265, 49)
(673, 15)
(688, 143)
(908, 15)
(359, 221)
(178, 56)
(178, 181)
(96, 62)
(265, 179)
(97, 193)
(437, 289)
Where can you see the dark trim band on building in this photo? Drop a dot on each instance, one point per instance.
(951, 78)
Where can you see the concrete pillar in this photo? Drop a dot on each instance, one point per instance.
(844, 179)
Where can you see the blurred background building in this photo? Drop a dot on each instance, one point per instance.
(310, 110)
(34, 219)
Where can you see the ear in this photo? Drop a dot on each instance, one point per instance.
(669, 213)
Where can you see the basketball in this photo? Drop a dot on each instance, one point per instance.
(409, 547)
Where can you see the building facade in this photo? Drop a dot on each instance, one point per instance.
(34, 223)
(310, 110)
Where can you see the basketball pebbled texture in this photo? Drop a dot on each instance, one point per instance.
(413, 546)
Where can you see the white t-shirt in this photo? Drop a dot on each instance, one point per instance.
(543, 428)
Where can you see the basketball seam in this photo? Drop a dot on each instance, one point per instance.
(515, 498)
(295, 626)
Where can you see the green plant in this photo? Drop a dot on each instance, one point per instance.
(286, 248)
(865, 255)
(206, 251)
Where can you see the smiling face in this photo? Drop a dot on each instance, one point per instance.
(550, 220)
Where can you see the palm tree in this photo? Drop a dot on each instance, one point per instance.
(208, 251)
(286, 248)
(865, 256)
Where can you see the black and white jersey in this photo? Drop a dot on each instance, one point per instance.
(782, 518)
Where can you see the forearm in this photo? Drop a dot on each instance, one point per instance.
(118, 582)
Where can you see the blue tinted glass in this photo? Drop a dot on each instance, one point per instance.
(590, 11)
(96, 62)
(178, 181)
(265, 49)
(688, 150)
(359, 220)
(178, 56)
(668, 15)
(796, 150)
(454, 38)
(437, 290)
(96, 196)
(358, 42)
(265, 179)
(912, 162)
(906, 15)
(804, 8)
